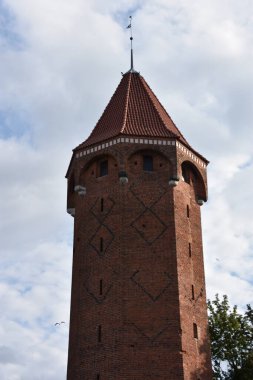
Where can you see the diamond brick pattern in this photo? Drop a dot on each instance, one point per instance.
(149, 226)
(149, 318)
(100, 279)
(148, 198)
(104, 233)
(154, 336)
(154, 284)
(108, 204)
(131, 312)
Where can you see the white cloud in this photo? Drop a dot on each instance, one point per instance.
(60, 64)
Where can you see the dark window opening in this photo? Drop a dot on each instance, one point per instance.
(102, 205)
(103, 168)
(101, 244)
(161, 165)
(188, 211)
(193, 295)
(195, 331)
(98, 376)
(148, 163)
(101, 287)
(99, 333)
(135, 163)
(190, 250)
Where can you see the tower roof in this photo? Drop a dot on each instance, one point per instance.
(133, 110)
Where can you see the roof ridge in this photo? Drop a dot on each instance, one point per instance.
(133, 109)
(150, 98)
(127, 103)
(144, 83)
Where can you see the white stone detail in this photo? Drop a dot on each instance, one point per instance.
(173, 182)
(143, 141)
(81, 190)
(123, 180)
(71, 211)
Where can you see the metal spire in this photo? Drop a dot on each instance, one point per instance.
(131, 39)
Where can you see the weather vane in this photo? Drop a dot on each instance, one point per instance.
(131, 39)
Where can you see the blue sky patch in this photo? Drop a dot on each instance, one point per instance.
(122, 17)
(246, 164)
(13, 124)
(8, 35)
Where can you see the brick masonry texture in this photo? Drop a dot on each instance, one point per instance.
(137, 287)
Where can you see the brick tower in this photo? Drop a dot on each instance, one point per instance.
(138, 305)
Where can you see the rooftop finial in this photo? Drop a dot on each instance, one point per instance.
(131, 39)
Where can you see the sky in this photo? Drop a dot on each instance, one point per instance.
(60, 62)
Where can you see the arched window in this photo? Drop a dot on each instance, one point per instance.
(192, 176)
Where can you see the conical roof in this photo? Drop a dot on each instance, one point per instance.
(133, 110)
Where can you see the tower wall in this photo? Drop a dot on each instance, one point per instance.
(191, 280)
(132, 311)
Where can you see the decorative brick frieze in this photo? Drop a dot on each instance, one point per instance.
(155, 142)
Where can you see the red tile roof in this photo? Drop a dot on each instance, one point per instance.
(133, 110)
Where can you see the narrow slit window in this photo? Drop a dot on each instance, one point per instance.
(102, 204)
(148, 163)
(103, 168)
(188, 211)
(190, 250)
(99, 333)
(195, 331)
(193, 295)
(98, 377)
(101, 244)
(101, 287)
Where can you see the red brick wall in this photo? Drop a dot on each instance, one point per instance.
(132, 291)
(196, 352)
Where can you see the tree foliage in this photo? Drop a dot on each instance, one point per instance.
(231, 335)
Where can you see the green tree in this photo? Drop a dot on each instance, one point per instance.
(231, 335)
